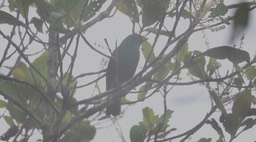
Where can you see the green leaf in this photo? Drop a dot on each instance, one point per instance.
(33, 98)
(93, 7)
(129, 8)
(2, 104)
(218, 102)
(41, 66)
(164, 71)
(32, 124)
(220, 139)
(40, 63)
(231, 124)
(212, 66)
(242, 104)
(16, 113)
(164, 120)
(88, 130)
(186, 14)
(67, 117)
(195, 65)
(77, 10)
(67, 5)
(239, 81)
(11, 5)
(249, 123)
(9, 120)
(226, 52)
(73, 110)
(81, 132)
(250, 72)
(67, 81)
(148, 52)
(149, 118)
(216, 127)
(252, 111)
(137, 133)
(24, 93)
(153, 10)
(73, 10)
(6, 18)
(219, 10)
(18, 73)
(11, 89)
(56, 17)
(22, 72)
(205, 140)
(142, 93)
(180, 56)
(23, 7)
(44, 9)
(38, 23)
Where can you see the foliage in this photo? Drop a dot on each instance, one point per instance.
(40, 89)
(150, 125)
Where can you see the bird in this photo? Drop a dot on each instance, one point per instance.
(121, 68)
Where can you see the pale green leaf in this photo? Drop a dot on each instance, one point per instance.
(250, 72)
(148, 52)
(9, 120)
(2, 104)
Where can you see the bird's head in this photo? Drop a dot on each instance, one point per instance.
(136, 38)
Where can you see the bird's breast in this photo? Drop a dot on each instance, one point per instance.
(128, 63)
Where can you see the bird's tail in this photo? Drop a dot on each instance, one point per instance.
(114, 108)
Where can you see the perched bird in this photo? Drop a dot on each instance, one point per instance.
(121, 68)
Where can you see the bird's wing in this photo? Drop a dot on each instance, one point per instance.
(112, 74)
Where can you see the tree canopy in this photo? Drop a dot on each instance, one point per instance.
(41, 44)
